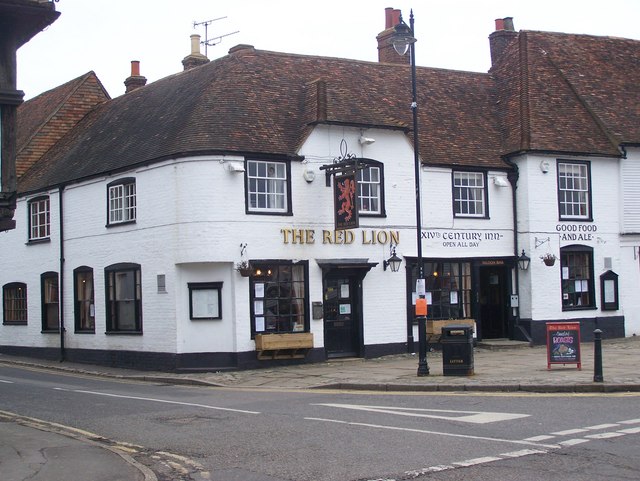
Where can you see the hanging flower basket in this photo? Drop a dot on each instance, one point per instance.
(244, 269)
(548, 259)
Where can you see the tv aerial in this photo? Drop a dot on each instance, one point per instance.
(210, 42)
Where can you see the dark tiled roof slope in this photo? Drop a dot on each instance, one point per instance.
(43, 120)
(569, 93)
(265, 103)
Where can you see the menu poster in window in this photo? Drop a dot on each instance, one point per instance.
(563, 343)
(344, 291)
(259, 324)
(258, 290)
(258, 308)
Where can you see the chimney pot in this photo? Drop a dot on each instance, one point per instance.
(195, 44)
(135, 68)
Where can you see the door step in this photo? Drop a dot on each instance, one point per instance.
(501, 344)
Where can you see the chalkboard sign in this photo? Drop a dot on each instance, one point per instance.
(563, 343)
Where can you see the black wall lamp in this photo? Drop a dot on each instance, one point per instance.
(523, 261)
(394, 261)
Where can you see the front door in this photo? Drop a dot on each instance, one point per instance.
(341, 316)
(493, 301)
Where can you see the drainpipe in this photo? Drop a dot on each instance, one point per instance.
(513, 177)
(61, 275)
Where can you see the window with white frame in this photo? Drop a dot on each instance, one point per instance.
(122, 201)
(39, 219)
(267, 186)
(469, 194)
(14, 303)
(574, 196)
(370, 190)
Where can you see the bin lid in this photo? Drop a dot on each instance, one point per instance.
(457, 327)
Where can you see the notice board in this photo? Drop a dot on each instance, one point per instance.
(563, 343)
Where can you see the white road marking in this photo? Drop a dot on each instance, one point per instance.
(476, 461)
(6, 382)
(573, 442)
(523, 452)
(543, 437)
(630, 421)
(630, 431)
(601, 426)
(475, 417)
(424, 431)
(604, 435)
(569, 432)
(165, 401)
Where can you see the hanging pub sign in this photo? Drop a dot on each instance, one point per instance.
(345, 200)
(563, 343)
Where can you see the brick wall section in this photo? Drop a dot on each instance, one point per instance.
(47, 118)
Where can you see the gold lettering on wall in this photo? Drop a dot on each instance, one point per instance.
(346, 237)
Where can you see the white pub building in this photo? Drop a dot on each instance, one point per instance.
(190, 223)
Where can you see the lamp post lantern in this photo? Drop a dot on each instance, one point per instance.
(404, 39)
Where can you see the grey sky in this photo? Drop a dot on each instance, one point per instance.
(105, 36)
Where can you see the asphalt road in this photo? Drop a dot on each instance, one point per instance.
(258, 435)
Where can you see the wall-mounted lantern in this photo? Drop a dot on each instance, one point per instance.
(523, 261)
(394, 261)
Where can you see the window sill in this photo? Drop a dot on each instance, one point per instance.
(85, 331)
(50, 331)
(123, 333)
(44, 240)
(116, 224)
(14, 323)
(579, 308)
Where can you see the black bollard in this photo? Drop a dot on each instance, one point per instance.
(597, 356)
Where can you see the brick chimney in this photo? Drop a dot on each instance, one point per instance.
(386, 52)
(500, 39)
(135, 81)
(195, 58)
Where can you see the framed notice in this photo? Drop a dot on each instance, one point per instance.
(563, 343)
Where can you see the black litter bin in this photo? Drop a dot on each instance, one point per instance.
(457, 350)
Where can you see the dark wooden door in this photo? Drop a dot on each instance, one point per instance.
(341, 317)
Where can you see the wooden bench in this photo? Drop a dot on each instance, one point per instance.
(434, 328)
(283, 346)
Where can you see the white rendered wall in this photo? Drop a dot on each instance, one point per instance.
(541, 232)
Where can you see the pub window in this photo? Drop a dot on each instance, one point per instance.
(39, 219)
(50, 302)
(371, 189)
(205, 301)
(14, 303)
(84, 305)
(469, 194)
(574, 190)
(278, 297)
(121, 201)
(576, 266)
(268, 187)
(448, 289)
(124, 298)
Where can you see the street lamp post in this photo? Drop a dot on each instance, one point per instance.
(404, 39)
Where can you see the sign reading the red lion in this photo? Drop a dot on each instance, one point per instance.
(345, 200)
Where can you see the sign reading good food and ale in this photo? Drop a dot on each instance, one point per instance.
(563, 343)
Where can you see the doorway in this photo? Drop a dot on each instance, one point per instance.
(342, 316)
(493, 302)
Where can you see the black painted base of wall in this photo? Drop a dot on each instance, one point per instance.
(611, 327)
(170, 362)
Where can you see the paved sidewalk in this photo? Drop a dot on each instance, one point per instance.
(505, 369)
